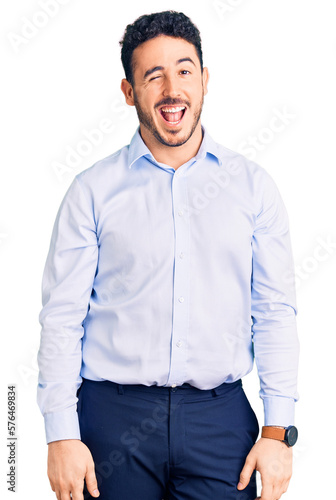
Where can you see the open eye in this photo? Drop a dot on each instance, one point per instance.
(185, 72)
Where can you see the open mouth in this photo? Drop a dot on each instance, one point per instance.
(173, 115)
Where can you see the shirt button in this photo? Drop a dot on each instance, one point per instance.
(181, 299)
(180, 212)
(179, 343)
(173, 385)
(181, 255)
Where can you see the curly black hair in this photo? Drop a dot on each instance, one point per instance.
(169, 23)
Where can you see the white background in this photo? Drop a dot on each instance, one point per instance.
(264, 58)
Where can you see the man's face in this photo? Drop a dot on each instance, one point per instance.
(168, 89)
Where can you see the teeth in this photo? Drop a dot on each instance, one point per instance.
(172, 110)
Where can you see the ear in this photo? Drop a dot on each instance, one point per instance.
(127, 90)
(205, 77)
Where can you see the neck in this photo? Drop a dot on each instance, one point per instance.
(172, 156)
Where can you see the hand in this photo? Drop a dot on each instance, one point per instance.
(69, 462)
(273, 459)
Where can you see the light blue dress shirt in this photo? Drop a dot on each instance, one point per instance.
(163, 276)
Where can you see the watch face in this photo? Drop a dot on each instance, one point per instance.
(291, 435)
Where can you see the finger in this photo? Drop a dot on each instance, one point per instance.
(77, 491)
(52, 485)
(91, 481)
(285, 485)
(278, 491)
(267, 492)
(245, 475)
(65, 495)
(58, 494)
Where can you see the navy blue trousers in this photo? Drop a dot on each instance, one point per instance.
(163, 443)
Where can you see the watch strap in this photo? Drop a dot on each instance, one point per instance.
(273, 432)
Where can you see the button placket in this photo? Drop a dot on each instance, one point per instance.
(178, 374)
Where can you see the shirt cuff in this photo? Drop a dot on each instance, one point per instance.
(61, 425)
(279, 411)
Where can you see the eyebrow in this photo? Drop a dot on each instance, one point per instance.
(160, 68)
(152, 70)
(185, 59)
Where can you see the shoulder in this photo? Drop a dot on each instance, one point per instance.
(247, 170)
(104, 175)
(102, 169)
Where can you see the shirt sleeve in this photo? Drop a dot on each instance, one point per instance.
(273, 309)
(66, 288)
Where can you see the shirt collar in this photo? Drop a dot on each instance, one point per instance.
(138, 149)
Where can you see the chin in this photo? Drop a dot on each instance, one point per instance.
(174, 138)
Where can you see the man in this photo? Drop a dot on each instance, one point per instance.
(169, 271)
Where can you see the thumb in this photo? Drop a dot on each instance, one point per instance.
(245, 475)
(91, 481)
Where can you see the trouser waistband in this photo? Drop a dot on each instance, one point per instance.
(183, 389)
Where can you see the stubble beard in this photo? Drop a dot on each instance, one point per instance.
(147, 121)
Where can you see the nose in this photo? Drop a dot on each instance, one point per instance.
(171, 86)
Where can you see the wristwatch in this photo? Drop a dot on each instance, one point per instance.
(288, 435)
